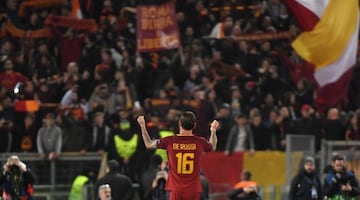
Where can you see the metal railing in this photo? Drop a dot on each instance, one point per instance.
(297, 147)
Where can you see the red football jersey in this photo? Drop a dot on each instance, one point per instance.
(184, 154)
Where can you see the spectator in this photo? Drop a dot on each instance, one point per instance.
(9, 78)
(333, 128)
(7, 48)
(26, 135)
(194, 79)
(260, 133)
(16, 179)
(237, 101)
(284, 20)
(268, 106)
(71, 75)
(352, 132)
(6, 136)
(91, 54)
(71, 46)
(215, 102)
(116, 180)
(125, 94)
(104, 71)
(49, 138)
(71, 100)
(304, 92)
(75, 128)
(293, 107)
(240, 137)
(308, 124)
(339, 182)
(286, 125)
(102, 97)
(226, 122)
(274, 129)
(45, 71)
(101, 134)
(41, 48)
(306, 184)
(46, 93)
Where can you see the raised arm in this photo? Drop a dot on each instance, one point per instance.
(213, 138)
(149, 144)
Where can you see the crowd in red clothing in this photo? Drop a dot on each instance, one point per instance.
(96, 83)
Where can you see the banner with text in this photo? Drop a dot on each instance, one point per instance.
(156, 27)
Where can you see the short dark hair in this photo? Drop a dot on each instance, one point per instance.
(187, 120)
(113, 165)
(246, 176)
(337, 157)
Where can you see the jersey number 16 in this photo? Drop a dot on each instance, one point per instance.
(185, 163)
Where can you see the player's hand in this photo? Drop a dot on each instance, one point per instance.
(141, 120)
(214, 126)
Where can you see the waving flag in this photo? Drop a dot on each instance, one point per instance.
(329, 43)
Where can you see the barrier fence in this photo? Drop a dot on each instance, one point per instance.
(54, 177)
(273, 170)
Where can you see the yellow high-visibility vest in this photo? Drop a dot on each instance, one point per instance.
(161, 152)
(77, 186)
(126, 148)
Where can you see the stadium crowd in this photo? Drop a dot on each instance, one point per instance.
(91, 86)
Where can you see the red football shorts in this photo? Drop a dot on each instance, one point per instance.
(176, 195)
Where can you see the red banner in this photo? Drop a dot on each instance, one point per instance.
(222, 171)
(156, 27)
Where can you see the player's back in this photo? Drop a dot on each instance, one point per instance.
(184, 153)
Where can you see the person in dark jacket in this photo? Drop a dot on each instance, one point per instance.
(306, 184)
(121, 184)
(333, 128)
(308, 124)
(100, 134)
(240, 137)
(261, 134)
(226, 122)
(340, 183)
